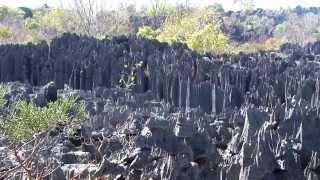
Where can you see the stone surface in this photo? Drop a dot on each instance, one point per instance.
(190, 116)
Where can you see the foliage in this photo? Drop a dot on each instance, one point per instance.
(280, 28)
(128, 80)
(31, 24)
(274, 43)
(208, 39)
(6, 33)
(54, 18)
(299, 29)
(3, 92)
(49, 23)
(147, 32)
(268, 45)
(159, 8)
(32, 37)
(178, 28)
(250, 47)
(199, 30)
(27, 119)
(164, 22)
(114, 23)
(6, 12)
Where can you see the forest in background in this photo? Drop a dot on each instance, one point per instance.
(209, 29)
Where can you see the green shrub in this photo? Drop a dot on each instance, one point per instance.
(147, 32)
(208, 39)
(6, 33)
(27, 119)
(31, 24)
(128, 78)
(200, 30)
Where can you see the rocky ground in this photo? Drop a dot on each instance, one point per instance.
(189, 116)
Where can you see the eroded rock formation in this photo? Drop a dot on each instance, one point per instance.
(190, 116)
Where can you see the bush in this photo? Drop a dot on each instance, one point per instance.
(27, 119)
(147, 32)
(176, 29)
(31, 24)
(6, 33)
(208, 39)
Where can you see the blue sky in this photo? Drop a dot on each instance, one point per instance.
(228, 4)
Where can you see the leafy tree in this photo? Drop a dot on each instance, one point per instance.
(86, 11)
(208, 39)
(115, 22)
(194, 29)
(299, 29)
(49, 23)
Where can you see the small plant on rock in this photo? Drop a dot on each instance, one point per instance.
(128, 80)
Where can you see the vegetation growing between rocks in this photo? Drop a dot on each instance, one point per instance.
(27, 127)
(26, 119)
(3, 92)
(128, 79)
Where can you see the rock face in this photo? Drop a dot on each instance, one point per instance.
(239, 117)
